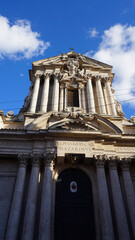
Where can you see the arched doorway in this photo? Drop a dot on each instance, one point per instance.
(74, 215)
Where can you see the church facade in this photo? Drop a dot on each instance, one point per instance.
(67, 160)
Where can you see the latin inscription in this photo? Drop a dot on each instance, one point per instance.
(74, 147)
(125, 149)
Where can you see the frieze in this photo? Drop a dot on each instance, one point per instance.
(74, 147)
(15, 145)
(125, 149)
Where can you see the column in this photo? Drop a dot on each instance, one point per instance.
(55, 101)
(90, 95)
(129, 190)
(45, 93)
(65, 97)
(80, 96)
(84, 99)
(15, 212)
(121, 220)
(104, 204)
(110, 105)
(30, 211)
(100, 96)
(45, 225)
(35, 92)
(61, 98)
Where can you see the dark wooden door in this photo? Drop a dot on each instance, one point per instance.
(74, 215)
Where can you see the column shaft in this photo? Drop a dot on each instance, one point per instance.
(105, 211)
(65, 98)
(130, 193)
(45, 93)
(84, 99)
(90, 96)
(34, 98)
(110, 105)
(55, 102)
(121, 220)
(80, 97)
(61, 98)
(100, 96)
(45, 225)
(30, 212)
(15, 212)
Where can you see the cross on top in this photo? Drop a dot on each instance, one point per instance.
(71, 49)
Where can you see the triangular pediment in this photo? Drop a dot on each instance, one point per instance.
(63, 58)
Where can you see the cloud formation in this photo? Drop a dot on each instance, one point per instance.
(18, 41)
(118, 49)
(93, 33)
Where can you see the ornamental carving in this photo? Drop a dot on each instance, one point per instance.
(50, 159)
(36, 159)
(23, 159)
(125, 163)
(74, 158)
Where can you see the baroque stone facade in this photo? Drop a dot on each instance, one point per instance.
(67, 160)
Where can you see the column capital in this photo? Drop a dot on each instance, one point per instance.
(47, 74)
(107, 79)
(125, 163)
(98, 77)
(36, 159)
(100, 160)
(89, 76)
(112, 162)
(50, 158)
(23, 159)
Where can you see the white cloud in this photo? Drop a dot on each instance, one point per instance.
(93, 33)
(118, 49)
(19, 41)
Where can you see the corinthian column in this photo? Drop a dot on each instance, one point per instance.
(110, 103)
(15, 212)
(45, 225)
(121, 220)
(35, 92)
(55, 97)
(80, 96)
(90, 95)
(30, 212)
(100, 96)
(105, 211)
(45, 93)
(84, 99)
(129, 190)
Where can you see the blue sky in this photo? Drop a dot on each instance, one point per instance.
(32, 30)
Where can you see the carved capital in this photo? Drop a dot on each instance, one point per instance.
(36, 159)
(99, 160)
(89, 76)
(46, 75)
(112, 162)
(125, 163)
(98, 77)
(50, 159)
(23, 159)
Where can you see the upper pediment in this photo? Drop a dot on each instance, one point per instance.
(60, 60)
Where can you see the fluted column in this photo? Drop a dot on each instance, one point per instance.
(45, 225)
(84, 99)
(55, 97)
(110, 99)
(15, 212)
(65, 97)
(100, 96)
(90, 95)
(45, 93)
(121, 220)
(61, 98)
(80, 95)
(30, 211)
(129, 190)
(35, 92)
(105, 211)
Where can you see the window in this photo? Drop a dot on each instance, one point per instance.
(72, 98)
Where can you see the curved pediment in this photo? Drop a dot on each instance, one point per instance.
(73, 121)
